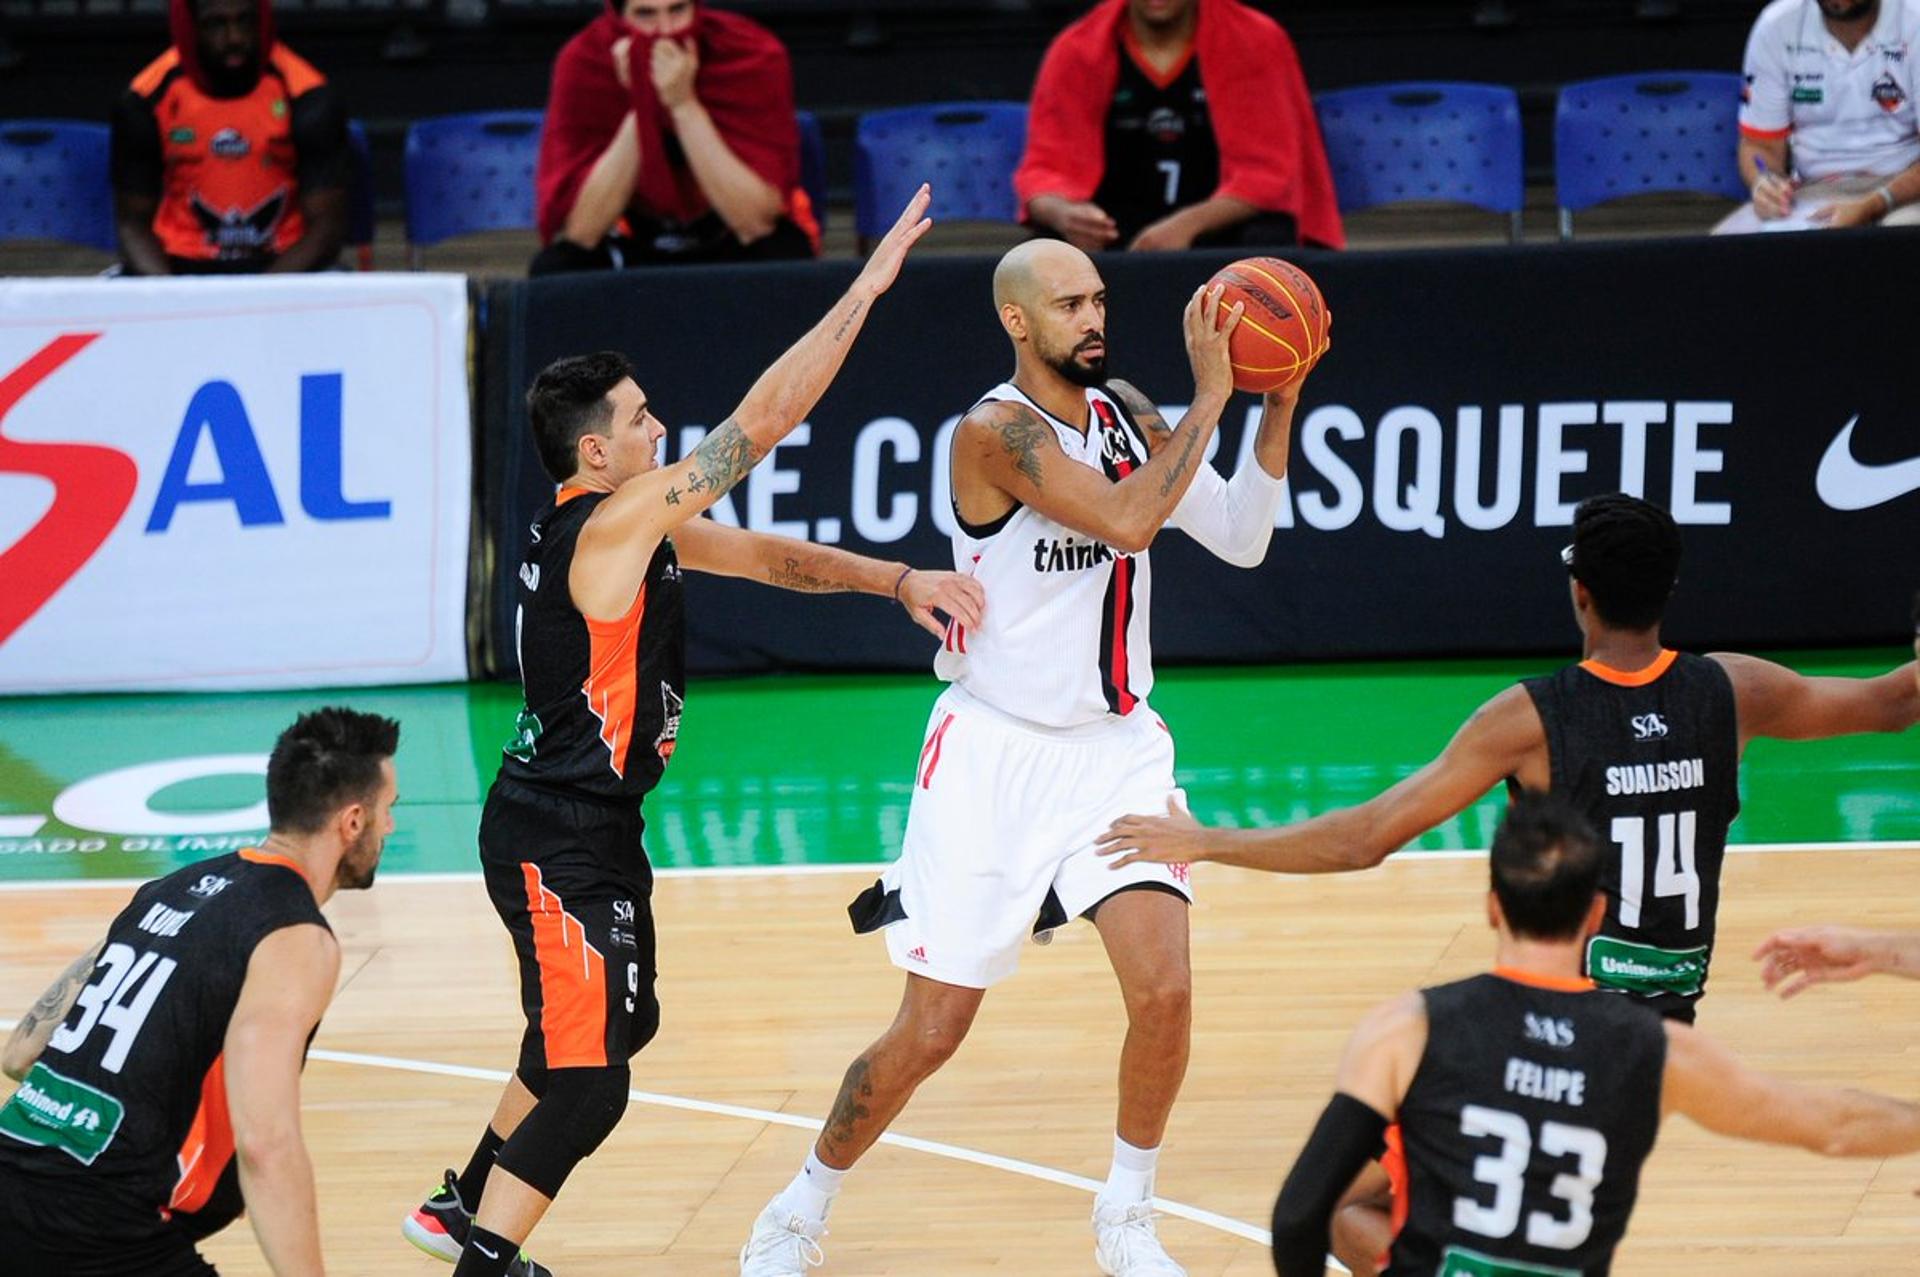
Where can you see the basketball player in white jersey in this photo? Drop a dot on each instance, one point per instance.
(1061, 480)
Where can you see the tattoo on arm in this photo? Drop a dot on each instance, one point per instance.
(848, 1109)
(48, 1011)
(1144, 411)
(792, 576)
(1181, 464)
(720, 461)
(840, 333)
(1021, 434)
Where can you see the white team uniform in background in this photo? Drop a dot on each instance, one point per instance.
(1044, 736)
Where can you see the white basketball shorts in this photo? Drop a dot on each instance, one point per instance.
(1000, 832)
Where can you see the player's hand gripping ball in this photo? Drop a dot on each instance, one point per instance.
(1283, 332)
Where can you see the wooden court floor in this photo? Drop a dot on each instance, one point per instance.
(767, 996)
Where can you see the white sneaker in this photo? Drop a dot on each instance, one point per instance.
(782, 1244)
(1125, 1245)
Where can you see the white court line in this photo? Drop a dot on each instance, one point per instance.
(877, 866)
(953, 1152)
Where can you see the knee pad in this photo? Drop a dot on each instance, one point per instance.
(578, 1111)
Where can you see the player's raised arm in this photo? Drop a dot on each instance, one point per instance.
(706, 546)
(289, 982)
(649, 506)
(1709, 1084)
(49, 1010)
(1793, 961)
(1375, 1072)
(1775, 701)
(1497, 742)
(1016, 452)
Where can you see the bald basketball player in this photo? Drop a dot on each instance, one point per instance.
(1061, 480)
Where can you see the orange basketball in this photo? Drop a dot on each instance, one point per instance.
(1282, 332)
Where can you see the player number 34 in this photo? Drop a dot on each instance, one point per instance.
(1505, 1171)
(120, 1000)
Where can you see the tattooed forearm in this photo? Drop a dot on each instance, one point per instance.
(720, 461)
(1182, 463)
(791, 576)
(1021, 434)
(840, 333)
(37, 1025)
(1144, 412)
(849, 1108)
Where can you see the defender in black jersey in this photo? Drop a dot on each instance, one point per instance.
(159, 1076)
(601, 636)
(1644, 741)
(1526, 1102)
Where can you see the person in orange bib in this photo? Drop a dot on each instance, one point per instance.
(229, 152)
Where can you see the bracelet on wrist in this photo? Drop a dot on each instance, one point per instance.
(1886, 195)
(900, 581)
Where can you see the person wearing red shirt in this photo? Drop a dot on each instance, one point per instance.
(670, 136)
(1170, 124)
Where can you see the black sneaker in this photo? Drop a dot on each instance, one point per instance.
(439, 1225)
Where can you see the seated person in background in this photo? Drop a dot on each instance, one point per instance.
(670, 137)
(1165, 124)
(1828, 131)
(229, 152)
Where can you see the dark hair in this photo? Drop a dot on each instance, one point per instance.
(1546, 867)
(1627, 553)
(569, 399)
(325, 761)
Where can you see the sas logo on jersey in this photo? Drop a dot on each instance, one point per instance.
(623, 912)
(1549, 1030)
(209, 886)
(670, 706)
(530, 576)
(1648, 726)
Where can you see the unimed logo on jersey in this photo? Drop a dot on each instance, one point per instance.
(94, 484)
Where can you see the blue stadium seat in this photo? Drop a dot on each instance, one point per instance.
(467, 173)
(54, 182)
(360, 219)
(813, 164)
(968, 150)
(1420, 140)
(1639, 134)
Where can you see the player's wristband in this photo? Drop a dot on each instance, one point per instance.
(1886, 194)
(904, 574)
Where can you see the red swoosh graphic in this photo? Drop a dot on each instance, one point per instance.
(92, 488)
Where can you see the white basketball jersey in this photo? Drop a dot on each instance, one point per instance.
(1065, 639)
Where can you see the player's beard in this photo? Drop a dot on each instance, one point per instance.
(1851, 13)
(1082, 372)
(359, 862)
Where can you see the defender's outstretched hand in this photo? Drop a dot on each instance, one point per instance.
(961, 597)
(883, 266)
(1793, 961)
(1173, 839)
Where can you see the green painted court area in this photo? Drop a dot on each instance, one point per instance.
(799, 770)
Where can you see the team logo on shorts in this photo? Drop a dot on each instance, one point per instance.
(670, 706)
(1180, 871)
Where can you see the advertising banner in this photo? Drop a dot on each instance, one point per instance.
(1757, 388)
(244, 483)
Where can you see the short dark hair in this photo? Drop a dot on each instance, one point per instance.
(326, 760)
(1627, 553)
(1546, 867)
(569, 399)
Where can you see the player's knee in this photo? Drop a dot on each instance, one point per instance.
(1161, 1000)
(931, 1041)
(587, 1103)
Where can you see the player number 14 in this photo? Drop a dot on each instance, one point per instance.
(1673, 869)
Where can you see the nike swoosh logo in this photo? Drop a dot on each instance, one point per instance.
(490, 1254)
(1845, 483)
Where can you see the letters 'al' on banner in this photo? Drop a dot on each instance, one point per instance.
(244, 483)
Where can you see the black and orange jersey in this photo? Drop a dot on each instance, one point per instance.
(124, 1115)
(228, 172)
(1652, 759)
(1534, 1106)
(603, 698)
